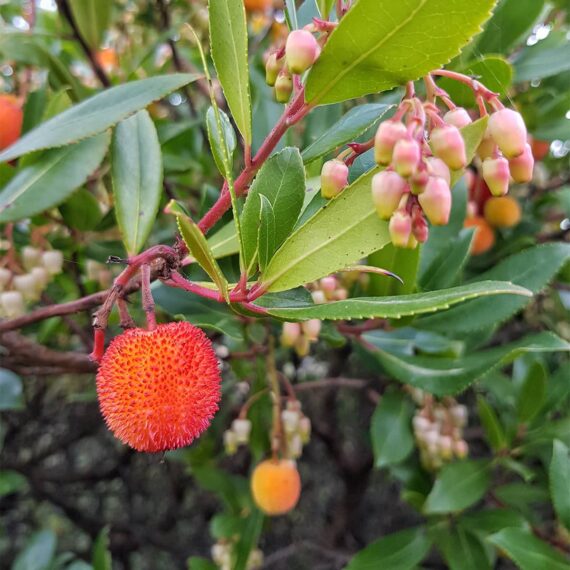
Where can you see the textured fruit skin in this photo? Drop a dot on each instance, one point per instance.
(502, 212)
(159, 389)
(276, 486)
(11, 119)
(484, 237)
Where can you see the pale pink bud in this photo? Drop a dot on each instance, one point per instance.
(334, 178)
(420, 229)
(509, 131)
(459, 414)
(283, 87)
(312, 328)
(436, 201)
(53, 261)
(294, 446)
(487, 147)
(522, 167)
(496, 174)
(418, 181)
(291, 333)
(12, 302)
(301, 51)
(293, 405)
(458, 117)
(461, 448)
(421, 424)
(230, 442)
(445, 447)
(448, 144)
(5, 276)
(290, 420)
(328, 284)
(400, 228)
(341, 294)
(406, 157)
(242, 428)
(436, 167)
(319, 297)
(31, 257)
(26, 284)
(41, 277)
(387, 190)
(387, 135)
(272, 69)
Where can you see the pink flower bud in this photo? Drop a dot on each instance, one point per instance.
(319, 297)
(334, 178)
(406, 157)
(445, 447)
(341, 294)
(461, 448)
(447, 144)
(301, 51)
(400, 228)
(436, 201)
(291, 333)
(283, 87)
(458, 117)
(53, 261)
(509, 131)
(387, 190)
(436, 167)
(496, 174)
(312, 328)
(387, 135)
(487, 147)
(420, 229)
(41, 277)
(272, 69)
(26, 284)
(290, 420)
(522, 167)
(418, 181)
(328, 284)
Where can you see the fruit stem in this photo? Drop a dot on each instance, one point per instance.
(147, 299)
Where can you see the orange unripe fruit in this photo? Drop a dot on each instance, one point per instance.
(540, 149)
(11, 119)
(484, 236)
(258, 5)
(276, 486)
(159, 390)
(107, 58)
(502, 212)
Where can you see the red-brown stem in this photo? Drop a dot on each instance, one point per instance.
(147, 300)
(477, 87)
(125, 319)
(296, 110)
(98, 345)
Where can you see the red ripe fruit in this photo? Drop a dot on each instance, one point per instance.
(159, 390)
(11, 119)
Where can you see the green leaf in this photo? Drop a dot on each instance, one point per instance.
(532, 268)
(11, 482)
(392, 307)
(198, 247)
(229, 138)
(527, 551)
(267, 229)
(352, 125)
(101, 556)
(291, 14)
(402, 550)
(458, 486)
(405, 41)
(38, 552)
(344, 231)
(50, 179)
(93, 18)
(511, 21)
(494, 72)
(401, 261)
(137, 178)
(224, 242)
(196, 563)
(462, 550)
(248, 539)
(282, 181)
(97, 114)
(532, 394)
(390, 429)
(537, 62)
(325, 7)
(493, 428)
(445, 268)
(81, 211)
(492, 520)
(559, 475)
(228, 38)
(11, 391)
(444, 376)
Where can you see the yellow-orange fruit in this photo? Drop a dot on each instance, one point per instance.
(258, 5)
(276, 486)
(484, 236)
(502, 212)
(107, 58)
(159, 389)
(11, 119)
(540, 149)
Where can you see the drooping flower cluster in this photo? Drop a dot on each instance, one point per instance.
(224, 555)
(300, 335)
(297, 429)
(25, 284)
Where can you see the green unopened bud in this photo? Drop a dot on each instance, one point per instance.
(283, 87)
(272, 69)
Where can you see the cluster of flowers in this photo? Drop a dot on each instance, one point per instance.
(300, 335)
(301, 51)
(224, 556)
(16, 289)
(438, 429)
(328, 289)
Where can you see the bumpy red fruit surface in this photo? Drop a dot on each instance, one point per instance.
(159, 389)
(11, 119)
